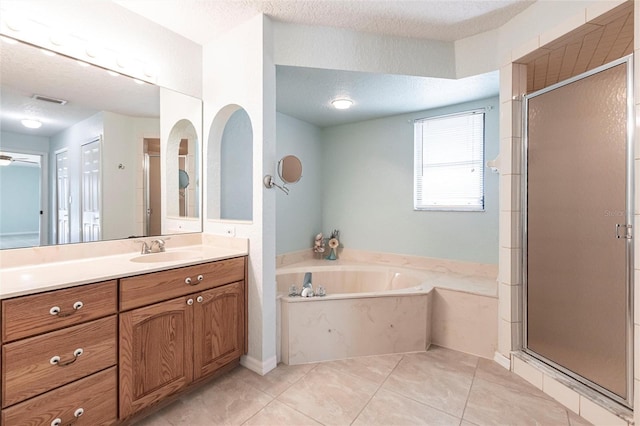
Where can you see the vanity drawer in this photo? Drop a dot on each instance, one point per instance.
(95, 395)
(151, 288)
(30, 315)
(29, 368)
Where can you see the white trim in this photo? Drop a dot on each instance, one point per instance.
(257, 366)
(502, 360)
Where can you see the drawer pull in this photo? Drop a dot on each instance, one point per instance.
(188, 281)
(200, 299)
(56, 360)
(76, 415)
(190, 302)
(57, 311)
(200, 278)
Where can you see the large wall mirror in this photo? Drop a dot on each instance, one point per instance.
(88, 166)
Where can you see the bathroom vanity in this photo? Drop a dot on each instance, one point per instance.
(105, 352)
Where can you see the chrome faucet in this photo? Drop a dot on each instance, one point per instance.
(156, 246)
(145, 248)
(307, 280)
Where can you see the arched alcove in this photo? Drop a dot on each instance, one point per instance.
(181, 161)
(230, 166)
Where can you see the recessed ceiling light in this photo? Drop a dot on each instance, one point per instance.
(342, 103)
(31, 123)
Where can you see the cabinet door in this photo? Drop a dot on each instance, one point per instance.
(219, 328)
(156, 350)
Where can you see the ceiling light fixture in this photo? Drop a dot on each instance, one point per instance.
(31, 123)
(342, 103)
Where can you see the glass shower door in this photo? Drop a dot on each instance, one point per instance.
(577, 242)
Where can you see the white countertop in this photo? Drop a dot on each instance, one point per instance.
(30, 279)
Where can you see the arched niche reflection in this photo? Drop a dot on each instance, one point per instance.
(230, 166)
(183, 195)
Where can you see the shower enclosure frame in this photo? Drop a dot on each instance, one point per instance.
(628, 217)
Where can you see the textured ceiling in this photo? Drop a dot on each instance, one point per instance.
(306, 93)
(26, 71)
(448, 20)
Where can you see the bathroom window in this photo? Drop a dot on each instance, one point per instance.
(449, 162)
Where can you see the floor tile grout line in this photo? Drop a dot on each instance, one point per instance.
(315, 365)
(415, 400)
(377, 390)
(473, 379)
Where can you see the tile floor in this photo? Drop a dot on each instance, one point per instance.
(437, 387)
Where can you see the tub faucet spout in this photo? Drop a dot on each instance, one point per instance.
(307, 280)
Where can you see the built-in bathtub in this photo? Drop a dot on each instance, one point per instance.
(380, 309)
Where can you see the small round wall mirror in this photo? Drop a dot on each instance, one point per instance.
(290, 169)
(183, 179)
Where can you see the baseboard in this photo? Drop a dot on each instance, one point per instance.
(502, 360)
(257, 366)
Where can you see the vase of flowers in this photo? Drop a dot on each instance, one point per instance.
(334, 242)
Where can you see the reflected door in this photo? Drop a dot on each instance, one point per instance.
(63, 198)
(91, 193)
(577, 251)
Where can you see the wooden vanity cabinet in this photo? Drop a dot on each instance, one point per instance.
(156, 347)
(166, 346)
(219, 316)
(59, 355)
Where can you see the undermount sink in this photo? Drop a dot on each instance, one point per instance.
(166, 256)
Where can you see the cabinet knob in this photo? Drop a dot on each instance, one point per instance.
(56, 311)
(200, 299)
(189, 302)
(56, 360)
(58, 421)
(200, 278)
(187, 280)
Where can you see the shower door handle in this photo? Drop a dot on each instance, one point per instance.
(627, 231)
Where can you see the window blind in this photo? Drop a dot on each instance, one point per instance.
(449, 162)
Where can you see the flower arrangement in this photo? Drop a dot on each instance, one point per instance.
(334, 242)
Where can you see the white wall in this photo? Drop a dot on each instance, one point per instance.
(299, 214)
(344, 49)
(368, 192)
(239, 71)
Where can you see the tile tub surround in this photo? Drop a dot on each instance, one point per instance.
(322, 329)
(377, 309)
(390, 259)
(39, 269)
(436, 387)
